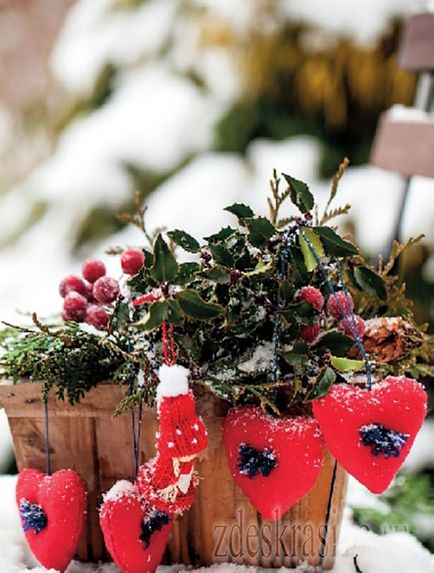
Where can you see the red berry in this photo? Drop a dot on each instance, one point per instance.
(311, 295)
(348, 326)
(74, 306)
(72, 283)
(88, 292)
(310, 333)
(106, 290)
(97, 317)
(132, 261)
(93, 269)
(340, 303)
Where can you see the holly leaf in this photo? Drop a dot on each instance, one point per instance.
(158, 312)
(298, 355)
(184, 240)
(221, 255)
(217, 274)
(300, 194)
(186, 273)
(120, 315)
(222, 235)
(346, 364)
(369, 281)
(323, 382)
(334, 245)
(240, 210)
(194, 306)
(336, 342)
(176, 314)
(309, 241)
(165, 268)
(260, 230)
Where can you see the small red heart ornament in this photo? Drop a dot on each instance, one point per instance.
(370, 432)
(53, 512)
(275, 461)
(135, 533)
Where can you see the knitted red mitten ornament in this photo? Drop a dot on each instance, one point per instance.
(135, 533)
(370, 432)
(169, 480)
(53, 512)
(275, 461)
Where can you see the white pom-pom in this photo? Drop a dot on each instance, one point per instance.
(173, 381)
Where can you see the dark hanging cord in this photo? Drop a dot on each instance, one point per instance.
(347, 316)
(356, 565)
(47, 439)
(136, 428)
(276, 330)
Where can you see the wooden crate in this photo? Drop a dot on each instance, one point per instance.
(221, 526)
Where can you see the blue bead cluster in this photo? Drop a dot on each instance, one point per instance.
(153, 522)
(382, 440)
(32, 516)
(252, 462)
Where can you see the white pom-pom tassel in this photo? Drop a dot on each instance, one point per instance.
(173, 381)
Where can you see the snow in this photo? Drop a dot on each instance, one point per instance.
(122, 488)
(173, 381)
(408, 114)
(396, 552)
(363, 22)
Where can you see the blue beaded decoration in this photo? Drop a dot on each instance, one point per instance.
(252, 462)
(32, 516)
(382, 440)
(152, 523)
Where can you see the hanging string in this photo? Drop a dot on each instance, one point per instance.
(276, 328)
(348, 317)
(47, 439)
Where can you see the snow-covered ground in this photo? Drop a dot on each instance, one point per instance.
(391, 553)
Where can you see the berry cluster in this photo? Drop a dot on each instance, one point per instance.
(340, 306)
(90, 298)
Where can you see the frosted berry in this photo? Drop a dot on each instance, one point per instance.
(132, 261)
(97, 317)
(74, 306)
(311, 295)
(72, 283)
(339, 302)
(93, 269)
(88, 292)
(348, 326)
(310, 333)
(106, 290)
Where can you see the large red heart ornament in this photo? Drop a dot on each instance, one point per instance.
(53, 512)
(275, 461)
(370, 432)
(134, 547)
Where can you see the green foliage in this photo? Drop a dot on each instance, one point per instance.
(222, 306)
(405, 505)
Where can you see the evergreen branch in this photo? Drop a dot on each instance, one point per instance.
(327, 215)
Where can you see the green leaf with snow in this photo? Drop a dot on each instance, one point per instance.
(260, 231)
(184, 240)
(158, 312)
(165, 268)
(334, 245)
(300, 194)
(240, 210)
(194, 306)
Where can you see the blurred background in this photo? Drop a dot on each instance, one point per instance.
(193, 103)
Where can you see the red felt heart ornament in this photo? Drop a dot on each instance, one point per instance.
(135, 533)
(53, 512)
(370, 432)
(275, 461)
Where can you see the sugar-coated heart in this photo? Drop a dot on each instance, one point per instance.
(53, 512)
(275, 461)
(135, 534)
(370, 432)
